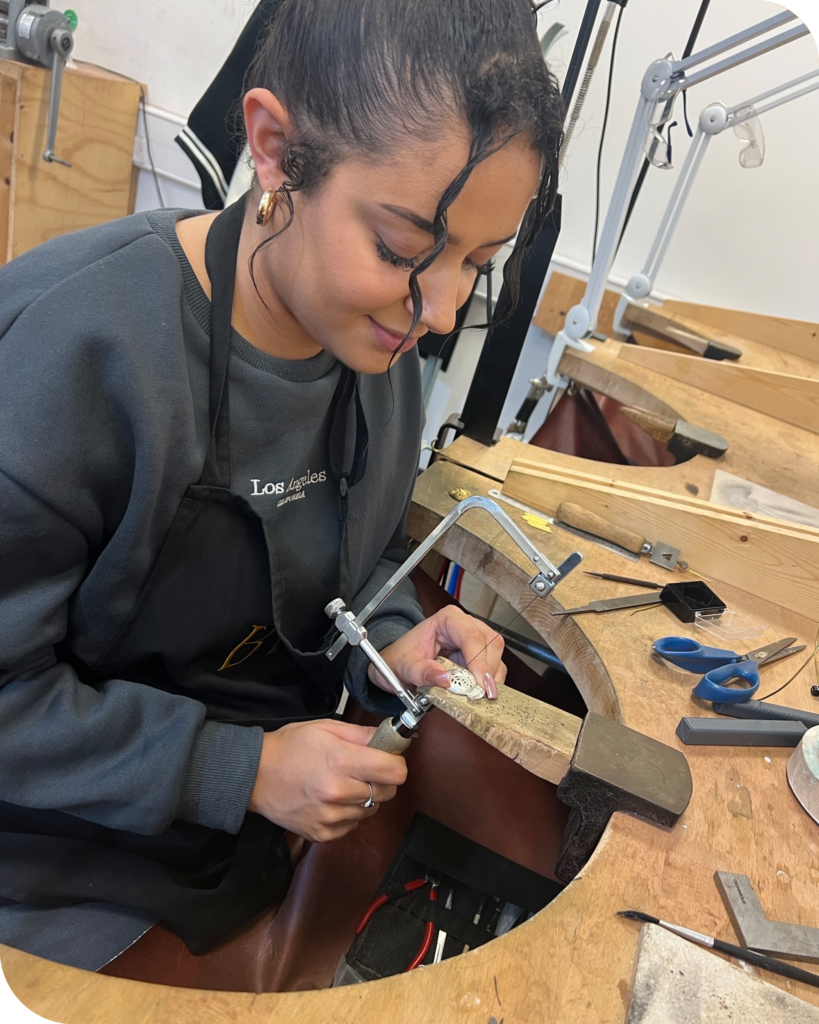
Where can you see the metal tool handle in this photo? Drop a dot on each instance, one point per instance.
(61, 43)
(582, 519)
(389, 738)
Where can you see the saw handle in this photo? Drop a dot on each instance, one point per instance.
(388, 739)
(589, 522)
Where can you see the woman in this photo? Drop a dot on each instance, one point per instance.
(210, 429)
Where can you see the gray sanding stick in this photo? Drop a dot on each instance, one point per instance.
(740, 732)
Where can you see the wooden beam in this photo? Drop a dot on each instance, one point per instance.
(605, 380)
(780, 563)
(535, 466)
(785, 396)
(799, 337)
(538, 736)
(10, 75)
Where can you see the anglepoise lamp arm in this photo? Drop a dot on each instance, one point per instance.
(663, 80)
(713, 120)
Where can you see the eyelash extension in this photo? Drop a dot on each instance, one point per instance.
(388, 256)
(484, 268)
(407, 263)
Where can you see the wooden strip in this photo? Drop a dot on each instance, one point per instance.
(9, 111)
(799, 337)
(538, 736)
(758, 558)
(787, 397)
(533, 467)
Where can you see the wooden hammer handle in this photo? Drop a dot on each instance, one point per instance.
(386, 738)
(589, 522)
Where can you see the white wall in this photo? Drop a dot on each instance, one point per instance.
(175, 48)
(748, 238)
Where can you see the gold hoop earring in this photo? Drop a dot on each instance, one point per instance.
(266, 206)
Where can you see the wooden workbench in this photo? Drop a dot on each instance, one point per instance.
(573, 962)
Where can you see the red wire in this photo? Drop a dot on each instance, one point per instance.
(420, 956)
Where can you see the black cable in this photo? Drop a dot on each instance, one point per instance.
(689, 49)
(695, 31)
(578, 56)
(811, 658)
(603, 132)
(143, 99)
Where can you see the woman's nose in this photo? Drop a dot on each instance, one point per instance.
(442, 296)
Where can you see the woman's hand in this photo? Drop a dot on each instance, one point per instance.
(313, 777)
(456, 635)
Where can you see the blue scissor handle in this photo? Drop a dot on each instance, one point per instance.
(692, 656)
(712, 685)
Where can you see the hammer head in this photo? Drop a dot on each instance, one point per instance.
(615, 768)
(690, 440)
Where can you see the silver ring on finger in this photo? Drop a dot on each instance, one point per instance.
(370, 799)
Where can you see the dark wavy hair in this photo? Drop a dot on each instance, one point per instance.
(362, 75)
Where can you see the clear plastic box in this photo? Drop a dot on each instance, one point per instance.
(729, 625)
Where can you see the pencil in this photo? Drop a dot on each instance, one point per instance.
(768, 963)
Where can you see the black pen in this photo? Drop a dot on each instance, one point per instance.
(768, 963)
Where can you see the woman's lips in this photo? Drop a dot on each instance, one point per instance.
(389, 339)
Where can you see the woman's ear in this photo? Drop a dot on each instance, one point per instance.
(269, 129)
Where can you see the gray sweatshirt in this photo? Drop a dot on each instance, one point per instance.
(104, 341)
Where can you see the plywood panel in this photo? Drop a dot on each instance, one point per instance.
(9, 112)
(96, 133)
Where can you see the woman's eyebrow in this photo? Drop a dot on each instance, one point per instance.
(426, 225)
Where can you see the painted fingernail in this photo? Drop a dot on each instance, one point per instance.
(490, 687)
(436, 677)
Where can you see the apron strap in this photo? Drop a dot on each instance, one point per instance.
(221, 252)
(347, 389)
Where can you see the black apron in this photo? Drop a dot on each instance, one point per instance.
(215, 621)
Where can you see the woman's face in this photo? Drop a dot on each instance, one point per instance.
(339, 274)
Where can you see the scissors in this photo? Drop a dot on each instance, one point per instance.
(722, 667)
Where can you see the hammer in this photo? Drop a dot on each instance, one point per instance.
(599, 766)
